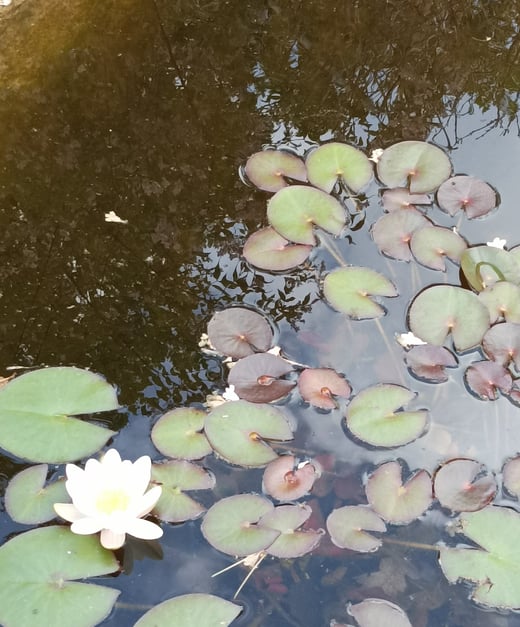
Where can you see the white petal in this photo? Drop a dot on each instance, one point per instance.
(67, 511)
(86, 526)
(144, 529)
(140, 475)
(112, 540)
(111, 458)
(147, 502)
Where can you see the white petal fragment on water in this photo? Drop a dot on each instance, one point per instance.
(497, 243)
(111, 216)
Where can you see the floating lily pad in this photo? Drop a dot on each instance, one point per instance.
(287, 480)
(397, 502)
(176, 477)
(35, 410)
(202, 610)
(291, 543)
(484, 378)
(428, 363)
(330, 162)
(349, 290)
(230, 525)
(377, 612)
(419, 165)
(268, 250)
(511, 476)
(179, 433)
(293, 211)
(319, 386)
(257, 378)
(37, 569)
(372, 416)
(431, 245)
(440, 310)
(270, 169)
(466, 193)
(464, 485)
(501, 343)
(239, 332)
(503, 301)
(393, 231)
(348, 527)
(237, 432)
(485, 265)
(29, 501)
(400, 198)
(495, 570)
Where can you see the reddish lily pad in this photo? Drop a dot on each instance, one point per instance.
(372, 416)
(239, 332)
(348, 526)
(257, 378)
(485, 265)
(269, 169)
(440, 310)
(334, 161)
(268, 250)
(319, 386)
(293, 211)
(419, 165)
(431, 245)
(349, 290)
(502, 300)
(501, 343)
(428, 363)
(238, 431)
(393, 231)
(291, 542)
(397, 502)
(178, 433)
(230, 525)
(484, 378)
(378, 612)
(511, 476)
(464, 485)
(287, 480)
(466, 193)
(400, 198)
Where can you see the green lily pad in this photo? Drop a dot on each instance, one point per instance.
(291, 542)
(503, 301)
(29, 501)
(483, 379)
(237, 432)
(485, 265)
(431, 245)
(268, 250)
(348, 526)
(230, 525)
(494, 570)
(202, 610)
(238, 332)
(511, 476)
(176, 477)
(501, 343)
(37, 569)
(377, 612)
(464, 485)
(258, 378)
(419, 165)
(293, 211)
(466, 193)
(269, 169)
(372, 416)
(349, 290)
(397, 502)
(334, 161)
(440, 310)
(179, 433)
(393, 231)
(400, 198)
(35, 411)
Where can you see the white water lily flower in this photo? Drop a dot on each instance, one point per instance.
(110, 496)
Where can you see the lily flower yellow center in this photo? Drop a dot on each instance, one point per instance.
(111, 496)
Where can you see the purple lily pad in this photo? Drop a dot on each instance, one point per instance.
(464, 485)
(291, 542)
(397, 502)
(239, 332)
(466, 193)
(257, 378)
(428, 362)
(484, 378)
(319, 386)
(268, 250)
(269, 169)
(330, 162)
(377, 612)
(503, 301)
(511, 476)
(501, 343)
(348, 526)
(287, 480)
(393, 231)
(400, 198)
(432, 244)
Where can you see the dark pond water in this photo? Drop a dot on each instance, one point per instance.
(148, 110)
